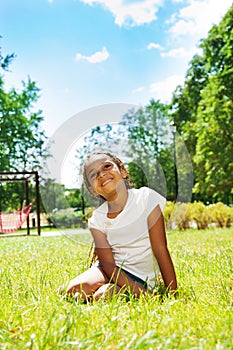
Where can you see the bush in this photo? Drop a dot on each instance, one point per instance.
(167, 213)
(66, 219)
(221, 214)
(182, 215)
(200, 214)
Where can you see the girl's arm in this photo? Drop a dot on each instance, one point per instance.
(159, 247)
(107, 263)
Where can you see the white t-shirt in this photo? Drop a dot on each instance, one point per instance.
(128, 234)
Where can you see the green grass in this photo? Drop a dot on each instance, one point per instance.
(34, 316)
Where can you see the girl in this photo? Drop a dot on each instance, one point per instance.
(128, 232)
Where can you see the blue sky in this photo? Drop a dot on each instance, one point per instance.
(84, 53)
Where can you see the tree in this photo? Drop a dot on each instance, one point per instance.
(213, 159)
(213, 127)
(53, 196)
(22, 140)
(202, 111)
(74, 198)
(185, 101)
(150, 147)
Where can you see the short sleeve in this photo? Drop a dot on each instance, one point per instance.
(153, 199)
(96, 221)
(93, 222)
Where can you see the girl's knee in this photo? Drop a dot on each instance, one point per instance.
(84, 288)
(86, 283)
(75, 287)
(106, 291)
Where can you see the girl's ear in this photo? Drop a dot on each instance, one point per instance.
(124, 173)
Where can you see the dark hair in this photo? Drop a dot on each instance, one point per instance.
(116, 160)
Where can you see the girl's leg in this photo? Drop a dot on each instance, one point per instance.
(87, 283)
(106, 291)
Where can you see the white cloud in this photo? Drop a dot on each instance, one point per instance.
(96, 57)
(154, 46)
(163, 89)
(198, 17)
(134, 14)
(178, 1)
(139, 89)
(181, 52)
(175, 53)
(67, 90)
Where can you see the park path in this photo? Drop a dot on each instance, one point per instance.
(49, 233)
(64, 232)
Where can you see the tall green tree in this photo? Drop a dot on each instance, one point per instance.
(202, 111)
(22, 140)
(150, 147)
(214, 127)
(185, 101)
(53, 196)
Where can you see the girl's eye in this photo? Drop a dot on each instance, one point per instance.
(108, 166)
(104, 167)
(93, 175)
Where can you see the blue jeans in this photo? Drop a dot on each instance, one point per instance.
(134, 278)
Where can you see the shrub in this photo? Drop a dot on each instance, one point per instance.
(220, 214)
(182, 215)
(167, 213)
(66, 219)
(200, 214)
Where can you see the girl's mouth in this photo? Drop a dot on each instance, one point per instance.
(106, 182)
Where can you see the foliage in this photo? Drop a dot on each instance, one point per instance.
(66, 219)
(213, 158)
(221, 214)
(185, 101)
(21, 139)
(74, 198)
(34, 316)
(167, 213)
(53, 196)
(150, 147)
(203, 110)
(12, 195)
(201, 215)
(181, 215)
(186, 215)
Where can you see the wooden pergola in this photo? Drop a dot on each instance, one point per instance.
(25, 176)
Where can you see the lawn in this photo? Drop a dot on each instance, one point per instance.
(34, 316)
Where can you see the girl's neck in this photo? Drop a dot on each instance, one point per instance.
(116, 206)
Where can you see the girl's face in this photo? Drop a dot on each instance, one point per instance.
(104, 176)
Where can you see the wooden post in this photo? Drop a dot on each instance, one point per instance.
(37, 202)
(27, 203)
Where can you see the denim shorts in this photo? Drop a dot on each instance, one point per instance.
(135, 278)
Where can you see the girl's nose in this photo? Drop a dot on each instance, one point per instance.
(101, 173)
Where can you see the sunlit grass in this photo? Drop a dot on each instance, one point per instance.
(34, 316)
